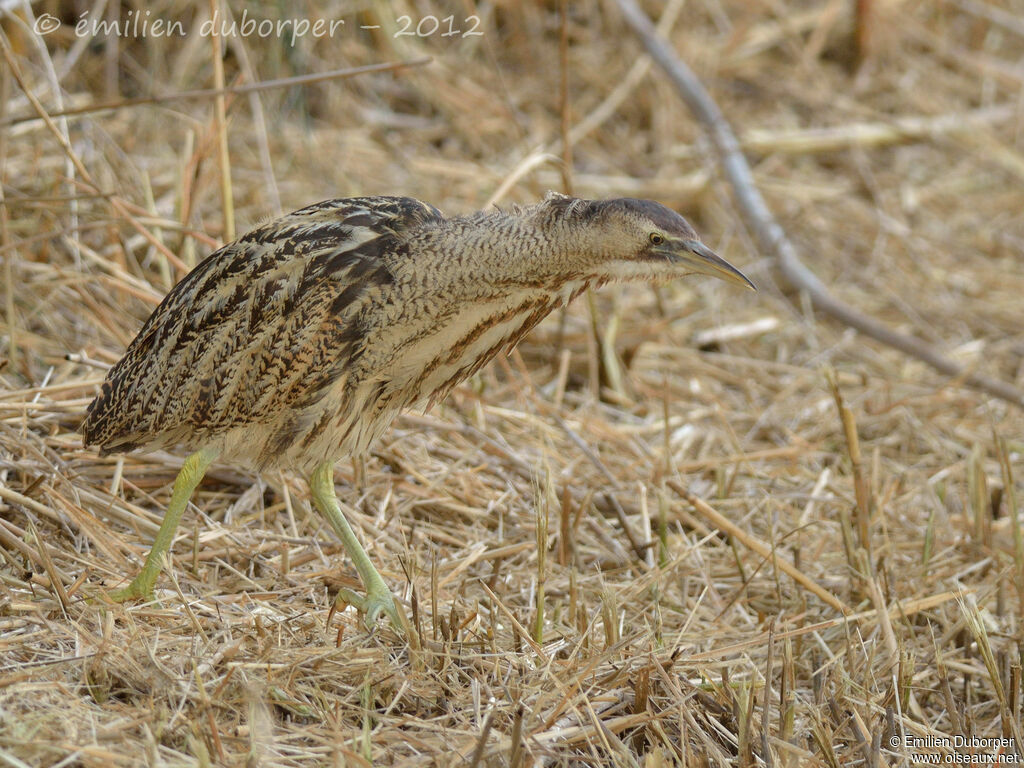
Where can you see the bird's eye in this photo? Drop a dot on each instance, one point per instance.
(656, 238)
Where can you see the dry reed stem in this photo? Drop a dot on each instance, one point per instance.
(723, 523)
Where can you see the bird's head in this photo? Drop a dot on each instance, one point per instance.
(630, 239)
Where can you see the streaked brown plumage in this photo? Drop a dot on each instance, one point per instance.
(298, 343)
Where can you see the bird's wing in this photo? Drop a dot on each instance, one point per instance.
(263, 324)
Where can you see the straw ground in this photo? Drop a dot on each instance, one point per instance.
(677, 527)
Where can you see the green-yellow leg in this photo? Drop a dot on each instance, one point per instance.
(378, 597)
(185, 483)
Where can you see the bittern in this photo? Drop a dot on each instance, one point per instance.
(298, 343)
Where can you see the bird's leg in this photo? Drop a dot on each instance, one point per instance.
(378, 597)
(185, 483)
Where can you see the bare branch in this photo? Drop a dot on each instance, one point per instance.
(767, 231)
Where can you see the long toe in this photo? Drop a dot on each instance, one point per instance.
(372, 606)
(133, 591)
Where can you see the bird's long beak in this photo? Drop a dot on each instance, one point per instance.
(697, 257)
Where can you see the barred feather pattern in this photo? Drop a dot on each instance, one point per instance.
(300, 341)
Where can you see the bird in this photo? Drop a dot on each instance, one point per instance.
(298, 343)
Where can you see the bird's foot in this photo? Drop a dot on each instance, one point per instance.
(140, 588)
(372, 605)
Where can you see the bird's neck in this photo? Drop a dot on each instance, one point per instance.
(526, 250)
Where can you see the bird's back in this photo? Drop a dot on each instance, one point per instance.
(245, 346)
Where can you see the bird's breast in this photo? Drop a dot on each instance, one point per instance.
(429, 358)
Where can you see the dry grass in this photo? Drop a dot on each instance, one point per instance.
(575, 600)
